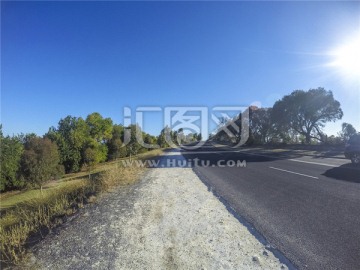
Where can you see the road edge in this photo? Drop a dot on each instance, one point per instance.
(260, 237)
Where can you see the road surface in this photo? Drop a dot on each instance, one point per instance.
(306, 207)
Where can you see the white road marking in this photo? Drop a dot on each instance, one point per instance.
(204, 152)
(296, 160)
(259, 155)
(316, 163)
(294, 172)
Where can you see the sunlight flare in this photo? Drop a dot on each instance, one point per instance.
(347, 58)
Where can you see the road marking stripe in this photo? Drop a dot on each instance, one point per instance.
(253, 154)
(316, 163)
(204, 152)
(294, 172)
(296, 160)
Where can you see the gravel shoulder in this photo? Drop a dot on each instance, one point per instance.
(168, 220)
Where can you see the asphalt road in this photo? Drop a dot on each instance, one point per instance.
(308, 208)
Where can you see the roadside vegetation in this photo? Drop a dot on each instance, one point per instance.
(297, 118)
(27, 216)
(45, 178)
(29, 161)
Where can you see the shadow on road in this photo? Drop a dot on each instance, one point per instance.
(347, 172)
(213, 157)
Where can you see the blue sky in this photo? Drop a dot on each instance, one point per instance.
(75, 58)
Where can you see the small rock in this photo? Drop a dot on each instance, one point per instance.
(91, 199)
(265, 253)
(32, 260)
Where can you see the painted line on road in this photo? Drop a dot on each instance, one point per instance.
(296, 160)
(204, 152)
(316, 163)
(294, 172)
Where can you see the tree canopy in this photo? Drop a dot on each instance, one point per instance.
(40, 161)
(100, 128)
(347, 130)
(115, 144)
(10, 155)
(70, 136)
(306, 112)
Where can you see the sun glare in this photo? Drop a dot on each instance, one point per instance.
(347, 59)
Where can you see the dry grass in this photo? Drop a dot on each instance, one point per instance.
(120, 177)
(27, 218)
(32, 210)
(150, 154)
(11, 199)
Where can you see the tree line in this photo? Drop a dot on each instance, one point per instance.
(296, 118)
(28, 161)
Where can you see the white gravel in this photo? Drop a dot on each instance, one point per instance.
(169, 220)
(178, 224)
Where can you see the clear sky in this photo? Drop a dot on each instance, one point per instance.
(75, 58)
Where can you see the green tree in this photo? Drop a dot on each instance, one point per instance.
(11, 150)
(98, 152)
(136, 135)
(347, 130)
(180, 138)
(306, 112)
(40, 161)
(150, 140)
(100, 128)
(115, 144)
(333, 140)
(164, 137)
(161, 141)
(70, 136)
(94, 153)
(174, 137)
(261, 125)
(116, 149)
(24, 138)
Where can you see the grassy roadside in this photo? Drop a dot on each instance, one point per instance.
(11, 199)
(32, 212)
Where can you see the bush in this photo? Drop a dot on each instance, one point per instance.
(40, 161)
